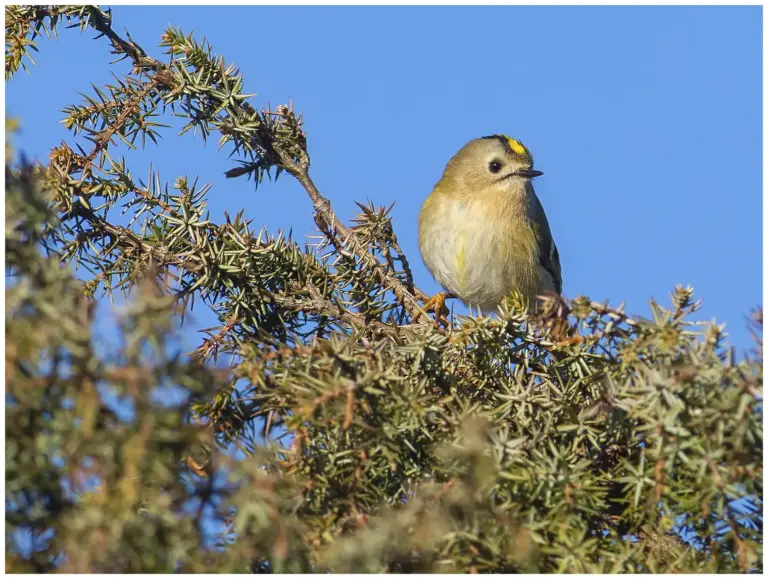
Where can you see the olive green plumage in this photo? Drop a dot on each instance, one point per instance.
(482, 231)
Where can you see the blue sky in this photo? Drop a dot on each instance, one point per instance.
(647, 122)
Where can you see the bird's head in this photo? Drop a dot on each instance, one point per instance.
(490, 161)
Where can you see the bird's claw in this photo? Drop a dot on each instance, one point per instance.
(437, 304)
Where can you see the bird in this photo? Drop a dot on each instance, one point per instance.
(483, 233)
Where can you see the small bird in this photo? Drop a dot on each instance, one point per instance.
(482, 231)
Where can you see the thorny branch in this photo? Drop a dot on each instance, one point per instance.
(132, 244)
(326, 218)
(327, 221)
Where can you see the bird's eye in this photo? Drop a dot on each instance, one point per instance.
(494, 166)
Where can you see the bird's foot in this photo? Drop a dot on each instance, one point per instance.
(437, 304)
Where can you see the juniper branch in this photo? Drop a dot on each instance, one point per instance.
(327, 220)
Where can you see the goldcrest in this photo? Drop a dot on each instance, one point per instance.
(483, 233)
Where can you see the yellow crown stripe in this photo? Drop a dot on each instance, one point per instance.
(517, 146)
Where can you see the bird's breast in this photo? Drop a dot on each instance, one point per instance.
(479, 250)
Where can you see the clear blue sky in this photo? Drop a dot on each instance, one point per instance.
(647, 122)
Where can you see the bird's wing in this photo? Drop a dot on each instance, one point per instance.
(550, 261)
(549, 257)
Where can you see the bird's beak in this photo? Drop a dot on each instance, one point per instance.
(529, 173)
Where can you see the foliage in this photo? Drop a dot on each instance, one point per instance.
(350, 433)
